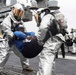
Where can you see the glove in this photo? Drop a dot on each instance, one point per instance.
(20, 35)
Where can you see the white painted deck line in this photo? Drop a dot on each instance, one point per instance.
(68, 57)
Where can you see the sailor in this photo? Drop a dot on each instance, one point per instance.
(9, 25)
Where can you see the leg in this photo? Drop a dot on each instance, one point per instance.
(63, 50)
(25, 64)
(47, 57)
(24, 61)
(56, 54)
(45, 65)
(74, 50)
(4, 53)
(3, 59)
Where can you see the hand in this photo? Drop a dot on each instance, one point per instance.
(31, 38)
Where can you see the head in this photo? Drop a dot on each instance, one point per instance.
(40, 13)
(18, 11)
(53, 4)
(21, 28)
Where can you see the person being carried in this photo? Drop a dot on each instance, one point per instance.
(25, 37)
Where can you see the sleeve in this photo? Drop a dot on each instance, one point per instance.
(43, 32)
(32, 34)
(20, 35)
(6, 27)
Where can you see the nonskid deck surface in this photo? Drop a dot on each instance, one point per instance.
(15, 70)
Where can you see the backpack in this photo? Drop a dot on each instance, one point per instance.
(56, 26)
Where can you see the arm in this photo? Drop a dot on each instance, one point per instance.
(43, 32)
(30, 35)
(20, 35)
(6, 27)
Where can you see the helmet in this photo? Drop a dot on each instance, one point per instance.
(40, 13)
(34, 4)
(20, 26)
(18, 6)
(18, 11)
(52, 4)
(38, 16)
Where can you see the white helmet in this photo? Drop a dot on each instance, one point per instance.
(18, 11)
(41, 13)
(18, 6)
(20, 26)
(34, 3)
(52, 4)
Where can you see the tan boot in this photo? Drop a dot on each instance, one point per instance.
(29, 69)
